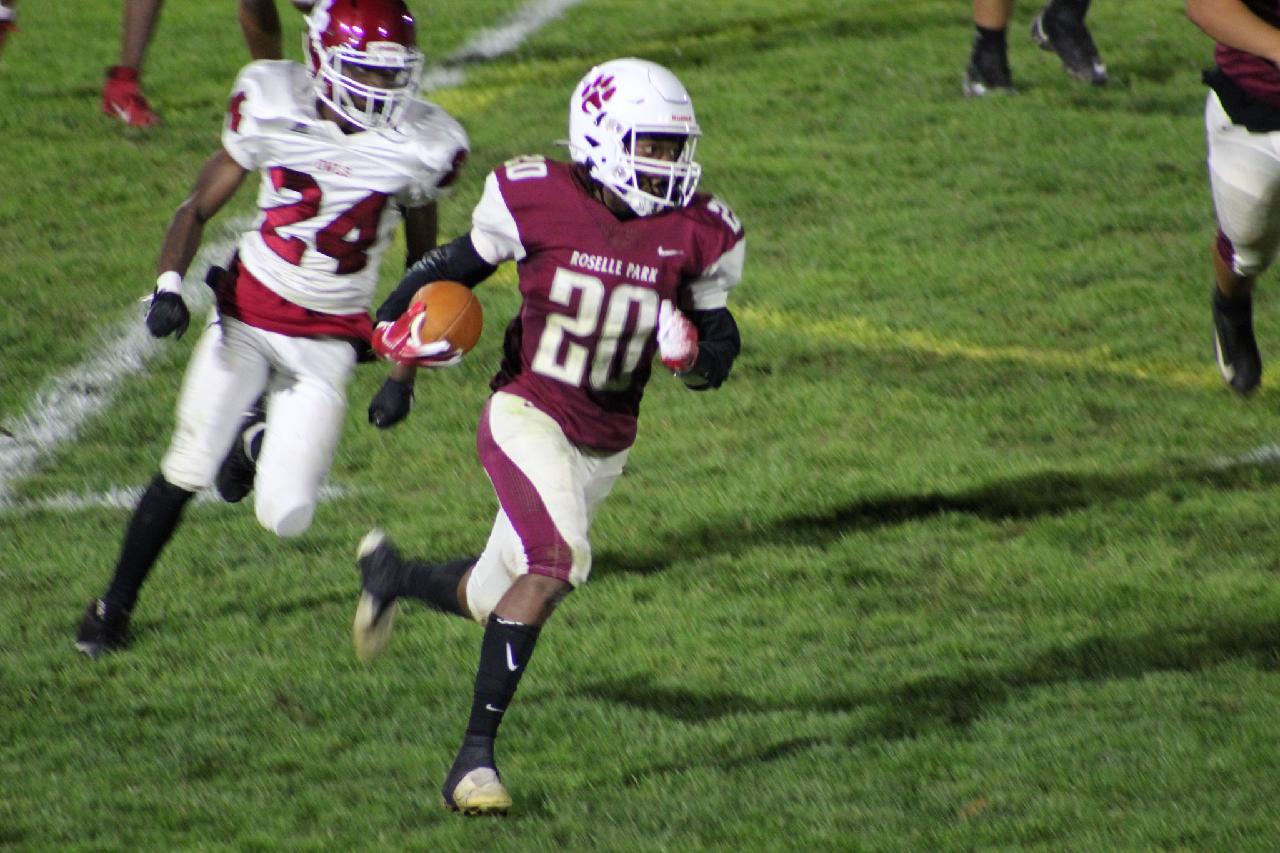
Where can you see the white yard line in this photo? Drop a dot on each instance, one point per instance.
(64, 404)
(125, 498)
(70, 399)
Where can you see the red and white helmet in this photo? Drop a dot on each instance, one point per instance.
(614, 103)
(370, 33)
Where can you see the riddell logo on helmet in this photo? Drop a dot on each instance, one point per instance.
(597, 92)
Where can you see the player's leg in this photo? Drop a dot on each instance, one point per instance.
(386, 575)
(225, 368)
(1060, 28)
(239, 469)
(122, 96)
(1244, 175)
(306, 403)
(543, 484)
(988, 69)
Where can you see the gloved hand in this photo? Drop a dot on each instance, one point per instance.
(677, 338)
(391, 404)
(399, 342)
(167, 315)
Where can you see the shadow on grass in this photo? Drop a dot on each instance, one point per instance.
(947, 701)
(1041, 495)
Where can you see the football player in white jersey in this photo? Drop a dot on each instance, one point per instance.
(620, 259)
(345, 151)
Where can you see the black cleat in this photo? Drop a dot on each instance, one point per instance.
(1239, 361)
(473, 786)
(236, 474)
(102, 631)
(1070, 39)
(988, 74)
(380, 568)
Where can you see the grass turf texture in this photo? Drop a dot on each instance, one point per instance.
(970, 553)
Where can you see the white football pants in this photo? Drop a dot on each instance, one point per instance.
(548, 491)
(305, 380)
(1244, 174)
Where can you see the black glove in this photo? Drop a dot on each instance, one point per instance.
(391, 404)
(167, 315)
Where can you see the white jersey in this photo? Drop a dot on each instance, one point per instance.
(329, 201)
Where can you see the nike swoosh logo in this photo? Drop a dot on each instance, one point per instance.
(511, 659)
(664, 252)
(489, 707)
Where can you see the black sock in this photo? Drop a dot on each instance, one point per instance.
(504, 654)
(1074, 10)
(436, 586)
(989, 41)
(153, 522)
(1238, 307)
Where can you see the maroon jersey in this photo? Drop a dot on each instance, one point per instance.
(1258, 77)
(581, 347)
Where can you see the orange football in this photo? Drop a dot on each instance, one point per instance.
(453, 314)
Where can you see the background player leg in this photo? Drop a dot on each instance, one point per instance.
(1060, 28)
(988, 72)
(225, 372)
(1235, 346)
(122, 96)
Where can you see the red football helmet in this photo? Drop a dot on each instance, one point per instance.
(364, 58)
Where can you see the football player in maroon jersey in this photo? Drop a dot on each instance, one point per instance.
(344, 151)
(1242, 123)
(1059, 27)
(619, 258)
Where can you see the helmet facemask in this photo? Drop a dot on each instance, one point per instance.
(650, 185)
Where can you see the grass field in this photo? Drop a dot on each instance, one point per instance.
(974, 551)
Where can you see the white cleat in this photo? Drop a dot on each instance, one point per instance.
(371, 629)
(376, 612)
(479, 792)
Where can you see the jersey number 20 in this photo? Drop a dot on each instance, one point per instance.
(601, 328)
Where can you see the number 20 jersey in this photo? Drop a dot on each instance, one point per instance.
(328, 200)
(591, 286)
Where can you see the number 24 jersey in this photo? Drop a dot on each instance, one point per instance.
(328, 201)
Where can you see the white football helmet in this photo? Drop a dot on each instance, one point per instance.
(377, 34)
(616, 102)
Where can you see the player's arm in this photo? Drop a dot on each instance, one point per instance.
(468, 259)
(701, 343)
(421, 231)
(454, 261)
(1230, 22)
(217, 182)
(718, 347)
(392, 402)
(457, 261)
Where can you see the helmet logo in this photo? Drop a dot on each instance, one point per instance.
(597, 92)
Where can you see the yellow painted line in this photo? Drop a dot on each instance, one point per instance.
(859, 332)
(464, 102)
